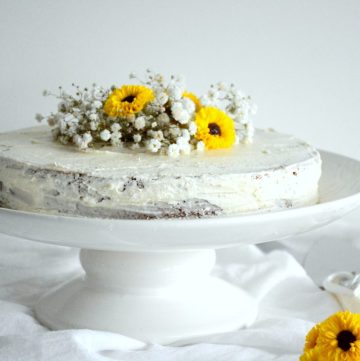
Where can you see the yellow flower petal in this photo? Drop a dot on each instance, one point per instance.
(311, 355)
(311, 338)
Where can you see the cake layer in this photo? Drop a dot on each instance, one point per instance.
(37, 174)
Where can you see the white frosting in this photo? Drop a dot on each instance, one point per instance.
(38, 174)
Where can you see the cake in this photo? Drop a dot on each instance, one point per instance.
(155, 151)
(277, 171)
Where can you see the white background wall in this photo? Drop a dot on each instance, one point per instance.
(300, 60)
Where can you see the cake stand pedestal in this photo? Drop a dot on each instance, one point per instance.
(151, 279)
(156, 297)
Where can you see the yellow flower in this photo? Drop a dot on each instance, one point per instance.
(127, 100)
(215, 128)
(194, 98)
(311, 338)
(339, 337)
(311, 355)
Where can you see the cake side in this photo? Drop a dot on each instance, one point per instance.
(275, 172)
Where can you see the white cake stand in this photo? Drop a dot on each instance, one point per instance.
(151, 279)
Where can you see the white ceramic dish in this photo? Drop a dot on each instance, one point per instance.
(150, 279)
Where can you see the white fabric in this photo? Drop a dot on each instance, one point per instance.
(289, 302)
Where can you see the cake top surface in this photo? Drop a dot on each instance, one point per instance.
(269, 150)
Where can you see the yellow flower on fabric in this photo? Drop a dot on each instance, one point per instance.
(215, 128)
(311, 338)
(194, 98)
(339, 337)
(127, 100)
(311, 355)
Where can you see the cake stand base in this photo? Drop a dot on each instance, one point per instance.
(156, 297)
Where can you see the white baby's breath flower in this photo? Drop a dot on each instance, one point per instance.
(175, 92)
(72, 130)
(58, 117)
(82, 141)
(62, 125)
(182, 142)
(77, 139)
(87, 138)
(180, 79)
(63, 139)
(69, 117)
(137, 138)
(93, 125)
(200, 146)
(173, 150)
(151, 133)
(39, 117)
(221, 86)
(205, 101)
(159, 135)
(105, 135)
(192, 128)
(94, 117)
(115, 127)
(179, 113)
(154, 145)
(239, 119)
(51, 120)
(159, 78)
(176, 108)
(236, 92)
(213, 94)
(131, 118)
(153, 124)
(163, 119)
(162, 98)
(237, 103)
(115, 138)
(185, 134)
(175, 131)
(75, 111)
(55, 133)
(62, 106)
(97, 104)
(140, 122)
(97, 93)
(188, 105)
(183, 117)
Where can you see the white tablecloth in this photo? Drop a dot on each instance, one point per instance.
(289, 304)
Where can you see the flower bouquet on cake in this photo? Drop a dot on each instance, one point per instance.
(154, 115)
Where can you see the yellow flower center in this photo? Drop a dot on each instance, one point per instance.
(214, 129)
(345, 338)
(129, 99)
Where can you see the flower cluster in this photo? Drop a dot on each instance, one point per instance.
(157, 115)
(337, 338)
